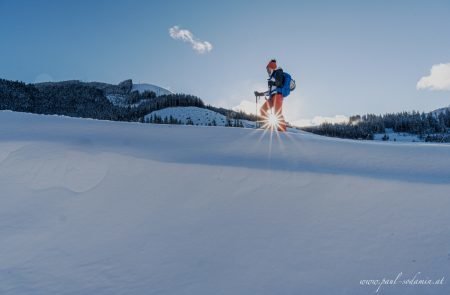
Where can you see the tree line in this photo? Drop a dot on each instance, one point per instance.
(427, 126)
(89, 100)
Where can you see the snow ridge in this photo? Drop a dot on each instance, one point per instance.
(111, 208)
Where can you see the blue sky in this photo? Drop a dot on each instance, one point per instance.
(348, 57)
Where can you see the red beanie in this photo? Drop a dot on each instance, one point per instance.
(272, 64)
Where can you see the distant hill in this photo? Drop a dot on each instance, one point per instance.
(441, 111)
(405, 126)
(125, 101)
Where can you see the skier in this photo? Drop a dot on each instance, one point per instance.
(276, 82)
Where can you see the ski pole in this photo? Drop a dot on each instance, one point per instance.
(256, 111)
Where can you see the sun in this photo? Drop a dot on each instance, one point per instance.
(272, 121)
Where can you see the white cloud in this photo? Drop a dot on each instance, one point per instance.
(185, 35)
(246, 106)
(439, 78)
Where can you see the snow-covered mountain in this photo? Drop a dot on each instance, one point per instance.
(149, 87)
(102, 207)
(440, 111)
(121, 99)
(125, 101)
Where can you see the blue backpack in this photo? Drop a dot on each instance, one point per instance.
(288, 86)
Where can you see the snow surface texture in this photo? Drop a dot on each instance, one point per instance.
(149, 87)
(98, 207)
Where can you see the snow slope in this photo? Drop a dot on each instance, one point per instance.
(198, 116)
(149, 87)
(98, 207)
(397, 136)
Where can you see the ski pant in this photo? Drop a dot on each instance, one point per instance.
(275, 102)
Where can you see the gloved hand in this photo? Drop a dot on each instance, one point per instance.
(257, 94)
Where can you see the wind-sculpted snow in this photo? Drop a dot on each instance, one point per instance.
(48, 167)
(8, 148)
(99, 207)
(239, 147)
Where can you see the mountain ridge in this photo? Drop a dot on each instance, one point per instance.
(122, 102)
